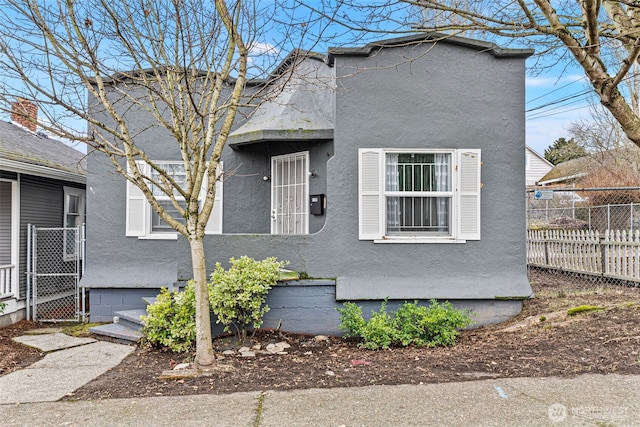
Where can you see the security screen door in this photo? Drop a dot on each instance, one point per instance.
(290, 194)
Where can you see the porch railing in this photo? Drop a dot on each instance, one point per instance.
(6, 280)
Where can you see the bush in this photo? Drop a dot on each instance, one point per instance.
(436, 325)
(433, 326)
(378, 332)
(238, 295)
(237, 298)
(351, 321)
(172, 319)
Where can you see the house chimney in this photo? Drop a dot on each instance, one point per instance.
(25, 113)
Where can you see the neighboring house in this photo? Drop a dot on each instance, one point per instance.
(42, 183)
(567, 172)
(536, 166)
(617, 167)
(393, 170)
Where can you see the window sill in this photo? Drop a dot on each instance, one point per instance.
(420, 240)
(159, 236)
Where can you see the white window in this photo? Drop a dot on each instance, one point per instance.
(144, 222)
(73, 219)
(419, 195)
(178, 174)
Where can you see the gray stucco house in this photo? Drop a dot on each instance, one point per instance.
(42, 183)
(392, 170)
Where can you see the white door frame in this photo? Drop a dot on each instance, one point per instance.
(290, 193)
(15, 236)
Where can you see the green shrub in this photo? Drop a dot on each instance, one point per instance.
(351, 321)
(436, 325)
(238, 295)
(379, 331)
(237, 298)
(433, 326)
(3, 306)
(172, 319)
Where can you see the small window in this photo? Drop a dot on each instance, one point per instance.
(177, 173)
(419, 194)
(143, 222)
(73, 219)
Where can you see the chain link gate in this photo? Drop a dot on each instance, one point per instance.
(54, 269)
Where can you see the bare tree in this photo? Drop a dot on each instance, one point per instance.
(182, 62)
(588, 31)
(599, 133)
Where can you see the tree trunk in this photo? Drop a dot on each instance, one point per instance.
(204, 348)
(623, 113)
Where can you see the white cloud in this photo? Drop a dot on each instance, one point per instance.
(258, 49)
(541, 133)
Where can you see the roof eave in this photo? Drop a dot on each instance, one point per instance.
(267, 135)
(430, 37)
(561, 179)
(43, 171)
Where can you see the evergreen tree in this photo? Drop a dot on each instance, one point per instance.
(563, 150)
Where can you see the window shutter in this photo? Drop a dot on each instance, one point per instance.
(214, 225)
(370, 193)
(137, 207)
(469, 195)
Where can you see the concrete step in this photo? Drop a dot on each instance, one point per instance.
(117, 332)
(149, 300)
(131, 318)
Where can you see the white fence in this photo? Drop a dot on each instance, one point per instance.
(614, 255)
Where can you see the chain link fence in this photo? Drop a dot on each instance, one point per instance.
(598, 209)
(54, 270)
(585, 235)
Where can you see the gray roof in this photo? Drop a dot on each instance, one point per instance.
(20, 147)
(430, 37)
(302, 110)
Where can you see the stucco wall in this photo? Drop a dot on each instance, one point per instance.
(451, 97)
(114, 260)
(247, 200)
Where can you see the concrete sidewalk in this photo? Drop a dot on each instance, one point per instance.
(70, 363)
(29, 398)
(585, 400)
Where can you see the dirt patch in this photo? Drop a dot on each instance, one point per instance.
(15, 356)
(541, 341)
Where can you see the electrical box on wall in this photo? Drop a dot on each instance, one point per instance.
(317, 204)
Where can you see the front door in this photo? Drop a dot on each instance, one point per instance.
(290, 194)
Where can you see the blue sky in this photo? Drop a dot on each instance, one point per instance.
(554, 100)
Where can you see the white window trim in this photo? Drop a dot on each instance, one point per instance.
(138, 210)
(372, 200)
(81, 194)
(15, 238)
